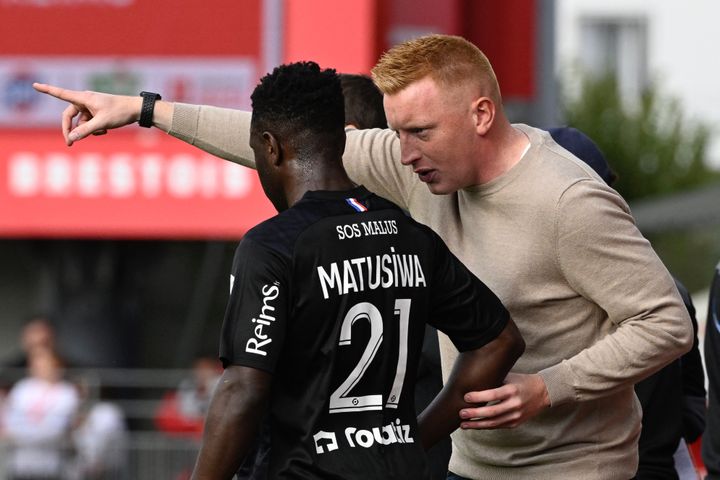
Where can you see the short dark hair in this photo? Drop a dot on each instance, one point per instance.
(301, 102)
(363, 102)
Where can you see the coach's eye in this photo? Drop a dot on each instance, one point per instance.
(420, 133)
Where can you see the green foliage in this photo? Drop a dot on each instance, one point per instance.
(652, 147)
(690, 255)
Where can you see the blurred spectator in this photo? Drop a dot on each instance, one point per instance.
(38, 415)
(711, 439)
(100, 439)
(673, 402)
(37, 334)
(363, 102)
(182, 412)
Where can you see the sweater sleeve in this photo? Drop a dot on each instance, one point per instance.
(372, 157)
(222, 132)
(606, 260)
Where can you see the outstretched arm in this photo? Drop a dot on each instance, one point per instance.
(484, 367)
(222, 132)
(233, 422)
(371, 156)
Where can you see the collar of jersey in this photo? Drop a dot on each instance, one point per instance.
(357, 192)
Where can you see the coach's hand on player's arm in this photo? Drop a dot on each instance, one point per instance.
(484, 367)
(96, 113)
(521, 397)
(232, 422)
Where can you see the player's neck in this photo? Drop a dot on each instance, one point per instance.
(322, 177)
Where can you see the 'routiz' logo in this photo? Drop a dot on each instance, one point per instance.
(260, 339)
(385, 435)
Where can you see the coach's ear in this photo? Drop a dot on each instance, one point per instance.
(483, 114)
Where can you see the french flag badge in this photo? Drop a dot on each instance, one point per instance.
(353, 202)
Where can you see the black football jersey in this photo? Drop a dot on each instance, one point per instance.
(332, 296)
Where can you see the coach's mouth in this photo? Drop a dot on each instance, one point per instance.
(426, 175)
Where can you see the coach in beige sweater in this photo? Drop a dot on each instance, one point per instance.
(596, 307)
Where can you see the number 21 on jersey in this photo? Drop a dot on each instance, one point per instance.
(341, 400)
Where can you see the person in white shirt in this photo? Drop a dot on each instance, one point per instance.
(37, 418)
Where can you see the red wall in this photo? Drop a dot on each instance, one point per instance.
(136, 27)
(505, 31)
(334, 34)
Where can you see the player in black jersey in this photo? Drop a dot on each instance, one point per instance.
(328, 305)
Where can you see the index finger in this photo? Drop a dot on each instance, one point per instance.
(72, 96)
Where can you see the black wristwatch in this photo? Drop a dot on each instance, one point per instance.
(148, 107)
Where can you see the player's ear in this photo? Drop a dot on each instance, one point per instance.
(273, 147)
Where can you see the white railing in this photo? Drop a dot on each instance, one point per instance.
(143, 453)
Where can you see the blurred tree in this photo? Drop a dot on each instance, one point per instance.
(690, 255)
(652, 146)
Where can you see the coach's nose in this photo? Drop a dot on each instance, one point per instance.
(409, 153)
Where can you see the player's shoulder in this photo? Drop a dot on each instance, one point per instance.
(277, 233)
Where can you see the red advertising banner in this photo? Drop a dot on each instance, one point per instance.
(130, 27)
(137, 184)
(133, 183)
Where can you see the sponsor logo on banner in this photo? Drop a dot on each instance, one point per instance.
(224, 81)
(121, 81)
(17, 93)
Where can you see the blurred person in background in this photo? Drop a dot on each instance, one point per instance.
(711, 438)
(672, 399)
(182, 411)
(37, 419)
(363, 102)
(558, 246)
(99, 437)
(37, 334)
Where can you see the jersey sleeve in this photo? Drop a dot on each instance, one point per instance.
(462, 306)
(253, 331)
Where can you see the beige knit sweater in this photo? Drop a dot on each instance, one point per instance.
(596, 307)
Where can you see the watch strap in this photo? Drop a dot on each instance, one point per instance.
(148, 107)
